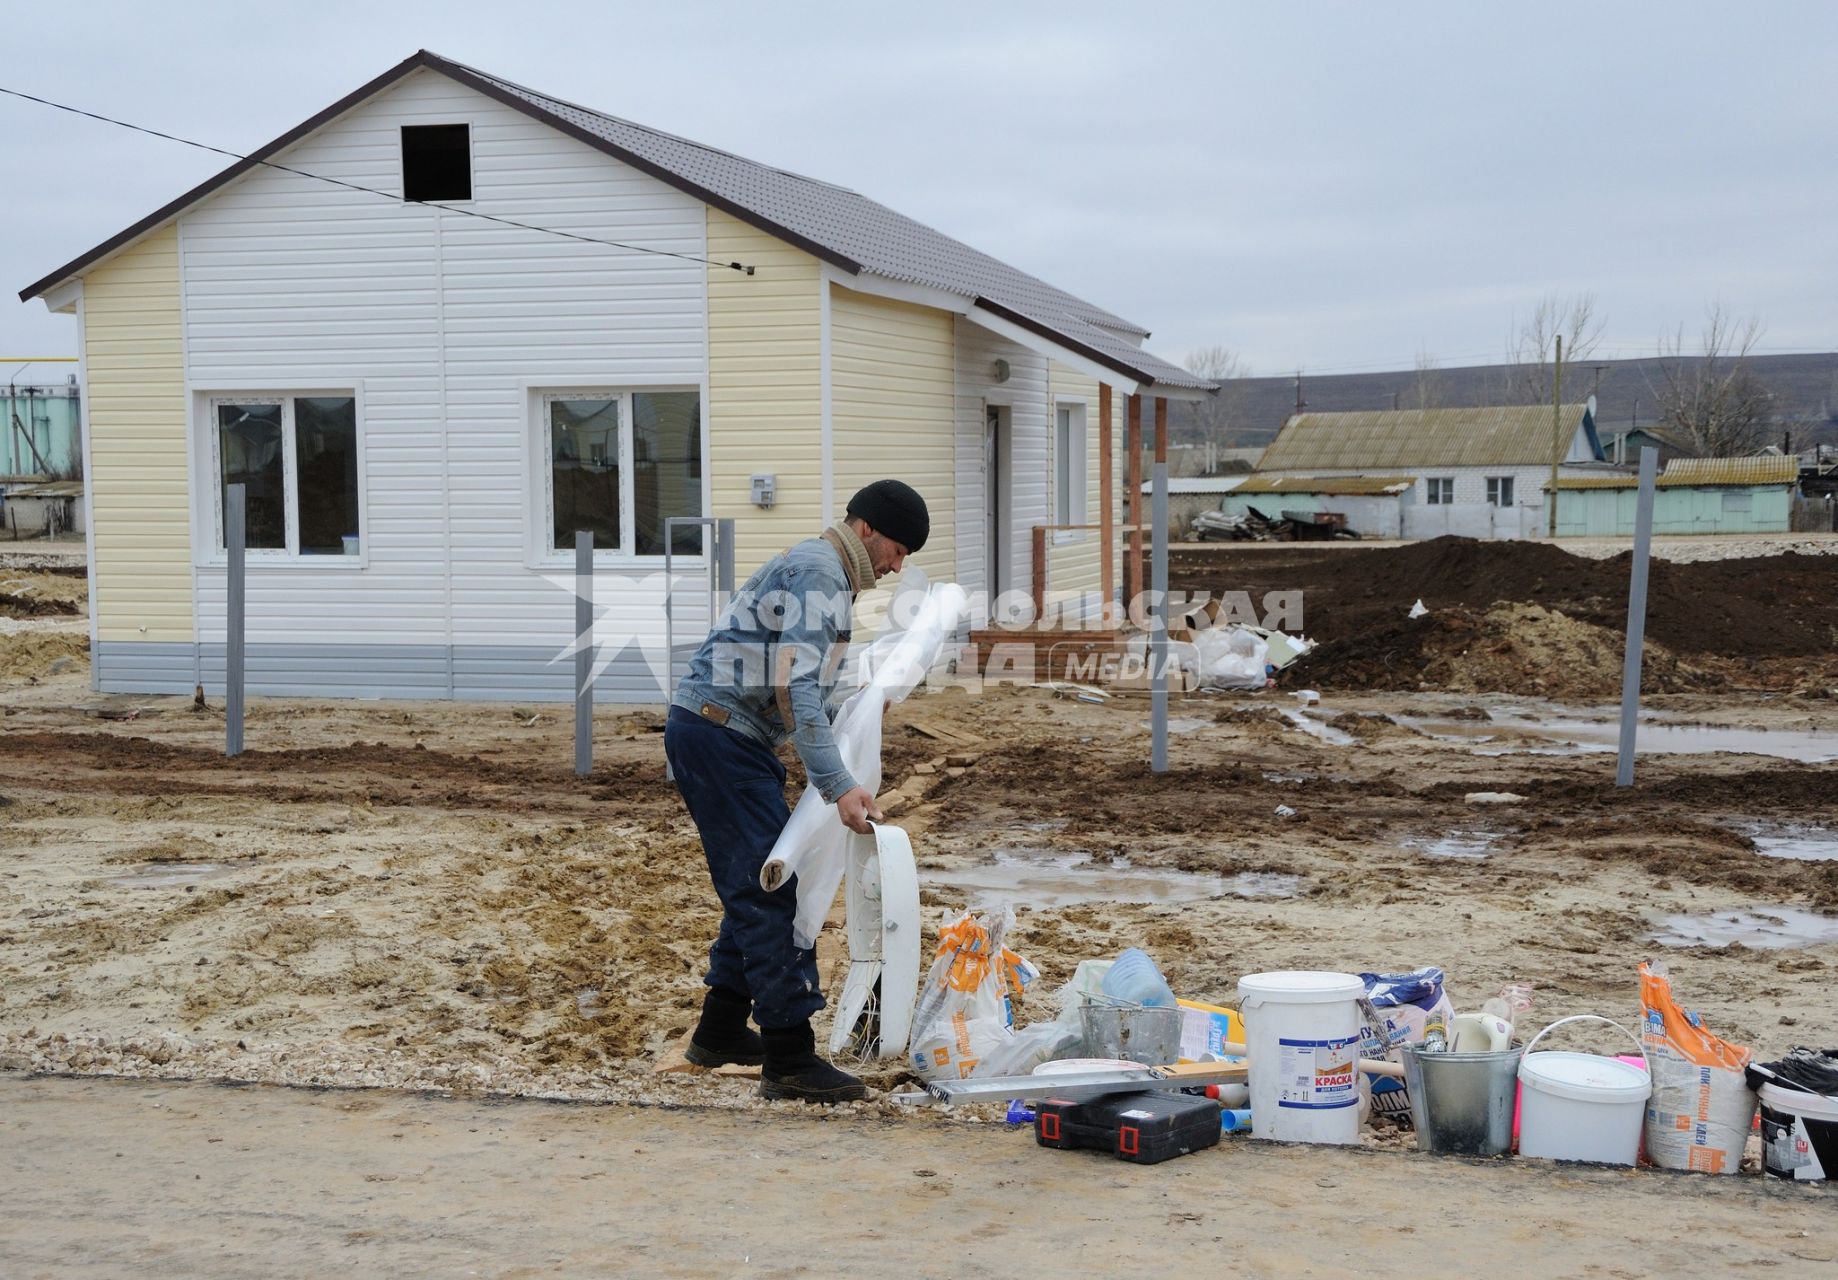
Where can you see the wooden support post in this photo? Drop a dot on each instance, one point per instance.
(1107, 518)
(1132, 442)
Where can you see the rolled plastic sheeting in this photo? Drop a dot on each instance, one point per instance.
(814, 845)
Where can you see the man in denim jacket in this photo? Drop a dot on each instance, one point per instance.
(764, 675)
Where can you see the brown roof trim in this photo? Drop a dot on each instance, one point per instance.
(1053, 335)
(77, 265)
(472, 80)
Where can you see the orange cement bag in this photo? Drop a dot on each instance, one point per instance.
(1702, 1107)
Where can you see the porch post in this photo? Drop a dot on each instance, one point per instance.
(1107, 517)
(1132, 443)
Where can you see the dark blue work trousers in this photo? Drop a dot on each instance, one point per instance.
(735, 790)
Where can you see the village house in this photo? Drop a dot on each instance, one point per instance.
(467, 319)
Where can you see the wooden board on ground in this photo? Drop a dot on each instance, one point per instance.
(672, 1062)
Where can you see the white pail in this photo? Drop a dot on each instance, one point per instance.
(1580, 1106)
(1302, 1033)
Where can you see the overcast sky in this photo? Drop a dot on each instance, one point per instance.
(1338, 187)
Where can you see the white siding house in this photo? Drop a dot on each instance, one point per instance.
(600, 325)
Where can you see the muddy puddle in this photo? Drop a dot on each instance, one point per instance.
(1509, 732)
(169, 875)
(1768, 928)
(1468, 845)
(1051, 879)
(1799, 843)
(1315, 727)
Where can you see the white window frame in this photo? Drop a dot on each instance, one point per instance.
(207, 478)
(1433, 485)
(1074, 465)
(539, 477)
(1495, 486)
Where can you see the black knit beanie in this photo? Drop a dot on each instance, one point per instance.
(894, 508)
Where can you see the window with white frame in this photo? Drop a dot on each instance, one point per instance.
(618, 464)
(1441, 490)
(296, 457)
(1500, 491)
(1069, 466)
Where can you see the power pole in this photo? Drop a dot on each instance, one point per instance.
(1301, 404)
(1597, 384)
(1557, 431)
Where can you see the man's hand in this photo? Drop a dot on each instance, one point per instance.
(856, 807)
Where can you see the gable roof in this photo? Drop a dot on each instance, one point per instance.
(1402, 440)
(834, 224)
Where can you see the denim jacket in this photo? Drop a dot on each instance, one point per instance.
(770, 664)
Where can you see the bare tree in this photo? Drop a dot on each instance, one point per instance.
(1532, 348)
(1427, 388)
(1217, 416)
(1712, 398)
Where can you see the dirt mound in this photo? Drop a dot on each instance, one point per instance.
(1518, 647)
(26, 606)
(1766, 606)
(33, 655)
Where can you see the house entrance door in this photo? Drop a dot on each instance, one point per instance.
(995, 500)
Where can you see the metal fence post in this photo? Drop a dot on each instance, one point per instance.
(235, 540)
(1636, 615)
(583, 653)
(1158, 638)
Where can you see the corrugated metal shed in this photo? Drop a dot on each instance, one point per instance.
(1352, 485)
(1683, 473)
(1408, 439)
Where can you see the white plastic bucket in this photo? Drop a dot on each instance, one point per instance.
(1302, 1034)
(1581, 1106)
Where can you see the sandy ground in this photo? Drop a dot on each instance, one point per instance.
(421, 895)
(108, 1178)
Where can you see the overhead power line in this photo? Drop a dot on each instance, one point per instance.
(372, 191)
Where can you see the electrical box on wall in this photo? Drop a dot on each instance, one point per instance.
(765, 490)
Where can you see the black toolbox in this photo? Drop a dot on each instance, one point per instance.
(1144, 1128)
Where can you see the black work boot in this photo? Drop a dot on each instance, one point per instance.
(722, 1036)
(793, 1070)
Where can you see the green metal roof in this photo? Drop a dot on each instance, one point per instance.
(1411, 439)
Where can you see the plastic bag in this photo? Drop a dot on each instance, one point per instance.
(814, 846)
(1702, 1107)
(1409, 1005)
(1230, 658)
(964, 1025)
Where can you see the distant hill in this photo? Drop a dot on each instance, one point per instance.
(1805, 390)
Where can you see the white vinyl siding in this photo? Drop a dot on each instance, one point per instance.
(1024, 397)
(443, 324)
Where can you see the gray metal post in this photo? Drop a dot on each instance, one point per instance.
(1158, 641)
(724, 558)
(584, 653)
(1636, 614)
(235, 543)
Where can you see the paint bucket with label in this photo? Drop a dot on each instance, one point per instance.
(1799, 1134)
(1581, 1106)
(1302, 1032)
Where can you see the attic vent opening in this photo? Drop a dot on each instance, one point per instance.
(436, 162)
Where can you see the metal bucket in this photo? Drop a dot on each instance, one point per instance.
(1462, 1103)
(1136, 1032)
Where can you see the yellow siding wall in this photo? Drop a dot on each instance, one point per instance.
(138, 486)
(892, 397)
(764, 338)
(1074, 566)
